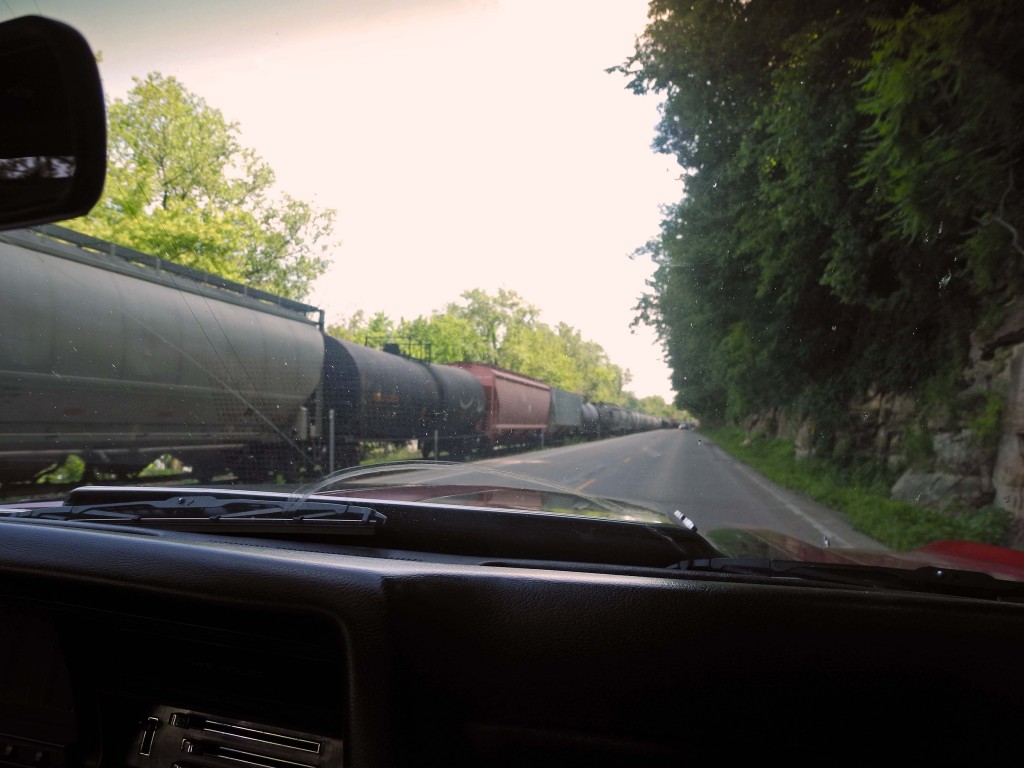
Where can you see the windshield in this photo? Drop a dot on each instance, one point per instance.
(475, 484)
(752, 267)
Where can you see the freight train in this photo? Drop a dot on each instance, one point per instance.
(119, 357)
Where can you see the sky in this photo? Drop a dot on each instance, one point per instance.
(463, 143)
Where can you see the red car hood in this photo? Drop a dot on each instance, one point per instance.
(1000, 562)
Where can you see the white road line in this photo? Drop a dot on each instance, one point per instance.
(833, 537)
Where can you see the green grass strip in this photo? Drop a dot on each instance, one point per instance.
(860, 492)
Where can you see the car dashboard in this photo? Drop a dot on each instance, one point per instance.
(156, 648)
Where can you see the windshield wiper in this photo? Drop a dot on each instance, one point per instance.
(214, 510)
(929, 579)
(482, 533)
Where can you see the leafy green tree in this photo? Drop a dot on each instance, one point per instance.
(944, 93)
(448, 337)
(492, 317)
(596, 376)
(351, 328)
(851, 207)
(181, 186)
(656, 406)
(538, 351)
(380, 326)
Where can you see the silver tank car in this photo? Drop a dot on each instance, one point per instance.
(119, 363)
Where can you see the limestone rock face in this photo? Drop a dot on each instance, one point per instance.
(1008, 472)
(805, 439)
(959, 453)
(942, 490)
(953, 456)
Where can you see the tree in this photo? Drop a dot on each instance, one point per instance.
(538, 352)
(448, 338)
(944, 93)
(851, 207)
(181, 186)
(352, 328)
(596, 376)
(656, 406)
(494, 316)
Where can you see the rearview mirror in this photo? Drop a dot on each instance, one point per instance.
(53, 135)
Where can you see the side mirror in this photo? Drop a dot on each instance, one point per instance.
(53, 134)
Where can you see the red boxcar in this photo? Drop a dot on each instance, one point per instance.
(517, 407)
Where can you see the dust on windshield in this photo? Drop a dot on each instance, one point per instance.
(753, 263)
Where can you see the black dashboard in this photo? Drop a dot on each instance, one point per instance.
(121, 647)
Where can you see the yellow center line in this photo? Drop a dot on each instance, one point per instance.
(581, 486)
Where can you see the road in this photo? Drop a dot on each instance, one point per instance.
(673, 469)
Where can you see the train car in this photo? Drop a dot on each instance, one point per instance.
(638, 421)
(121, 358)
(375, 395)
(648, 422)
(609, 420)
(382, 395)
(517, 408)
(615, 420)
(590, 422)
(566, 419)
(462, 404)
(137, 358)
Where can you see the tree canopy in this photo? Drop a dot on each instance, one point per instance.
(181, 186)
(852, 202)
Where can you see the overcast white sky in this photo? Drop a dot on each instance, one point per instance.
(463, 144)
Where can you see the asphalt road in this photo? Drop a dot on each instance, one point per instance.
(673, 469)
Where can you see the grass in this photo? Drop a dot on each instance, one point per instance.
(378, 453)
(861, 492)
